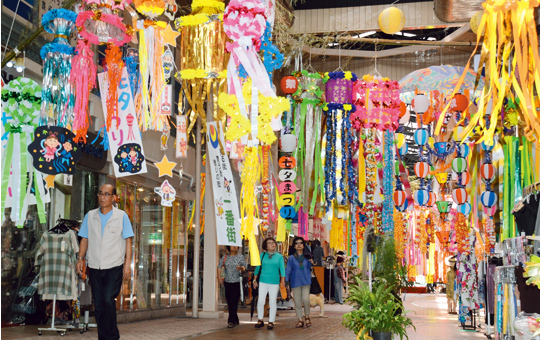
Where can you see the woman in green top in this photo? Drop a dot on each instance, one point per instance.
(272, 273)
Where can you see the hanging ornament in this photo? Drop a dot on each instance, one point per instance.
(403, 207)
(289, 84)
(490, 211)
(167, 193)
(464, 150)
(54, 150)
(459, 102)
(459, 164)
(421, 169)
(129, 158)
(391, 20)
(404, 149)
(464, 208)
(441, 177)
(420, 103)
(488, 199)
(465, 178)
(400, 196)
(459, 195)
(432, 199)
(487, 171)
(421, 136)
(57, 99)
(421, 197)
(165, 167)
(288, 143)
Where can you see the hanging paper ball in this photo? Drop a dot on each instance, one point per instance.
(464, 150)
(421, 169)
(475, 22)
(459, 103)
(404, 149)
(391, 20)
(150, 8)
(488, 198)
(486, 147)
(465, 178)
(399, 197)
(287, 143)
(289, 84)
(443, 206)
(464, 208)
(457, 133)
(432, 199)
(441, 177)
(421, 136)
(405, 119)
(420, 103)
(421, 197)
(400, 140)
(490, 211)
(402, 109)
(487, 171)
(403, 207)
(244, 20)
(459, 195)
(459, 164)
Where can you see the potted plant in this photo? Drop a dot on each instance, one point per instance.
(378, 312)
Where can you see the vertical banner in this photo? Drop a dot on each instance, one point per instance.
(225, 201)
(125, 141)
(181, 137)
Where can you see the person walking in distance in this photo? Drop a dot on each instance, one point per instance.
(107, 237)
(298, 274)
(340, 277)
(268, 277)
(233, 264)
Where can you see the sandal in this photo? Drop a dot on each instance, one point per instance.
(308, 322)
(300, 324)
(231, 325)
(270, 326)
(259, 324)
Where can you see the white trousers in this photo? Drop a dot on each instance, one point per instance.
(271, 290)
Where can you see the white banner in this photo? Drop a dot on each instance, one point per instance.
(181, 137)
(225, 202)
(125, 142)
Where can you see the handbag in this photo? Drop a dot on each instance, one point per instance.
(315, 288)
(222, 271)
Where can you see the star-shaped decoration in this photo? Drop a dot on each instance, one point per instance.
(169, 35)
(50, 181)
(165, 167)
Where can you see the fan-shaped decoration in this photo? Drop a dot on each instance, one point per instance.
(459, 195)
(459, 164)
(464, 208)
(421, 136)
(421, 169)
(421, 197)
(488, 199)
(487, 171)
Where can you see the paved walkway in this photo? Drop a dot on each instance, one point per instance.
(428, 312)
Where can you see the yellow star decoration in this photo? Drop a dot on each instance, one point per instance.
(165, 167)
(50, 181)
(169, 35)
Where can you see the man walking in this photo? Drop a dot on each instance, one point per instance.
(107, 235)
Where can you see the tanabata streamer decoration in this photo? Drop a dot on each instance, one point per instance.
(509, 27)
(57, 99)
(100, 25)
(54, 150)
(21, 100)
(204, 59)
(167, 193)
(287, 188)
(488, 197)
(388, 183)
(248, 211)
(377, 103)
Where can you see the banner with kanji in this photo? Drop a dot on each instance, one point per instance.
(225, 202)
(125, 141)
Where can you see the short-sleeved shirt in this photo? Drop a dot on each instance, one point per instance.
(127, 229)
(273, 268)
(231, 274)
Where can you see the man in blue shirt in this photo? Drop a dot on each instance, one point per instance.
(107, 238)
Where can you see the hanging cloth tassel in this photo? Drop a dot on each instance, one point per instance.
(114, 64)
(83, 79)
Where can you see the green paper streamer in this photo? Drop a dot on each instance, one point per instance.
(526, 161)
(40, 205)
(23, 175)
(510, 155)
(8, 156)
(317, 167)
(299, 154)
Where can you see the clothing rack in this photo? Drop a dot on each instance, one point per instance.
(506, 302)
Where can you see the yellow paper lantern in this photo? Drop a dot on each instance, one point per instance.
(400, 140)
(391, 20)
(475, 21)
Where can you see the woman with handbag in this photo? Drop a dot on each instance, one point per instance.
(230, 271)
(298, 274)
(268, 277)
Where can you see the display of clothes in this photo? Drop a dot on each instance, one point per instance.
(526, 214)
(57, 259)
(467, 282)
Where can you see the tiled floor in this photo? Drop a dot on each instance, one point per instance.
(427, 311)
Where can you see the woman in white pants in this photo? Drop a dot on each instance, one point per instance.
(268, 277)
(298, 274)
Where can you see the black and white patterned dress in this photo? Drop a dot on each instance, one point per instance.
(231, 274)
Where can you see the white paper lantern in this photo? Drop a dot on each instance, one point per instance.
(420, 103)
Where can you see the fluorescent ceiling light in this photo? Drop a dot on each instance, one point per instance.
(365, 34)
(432, 39)
(332, 44)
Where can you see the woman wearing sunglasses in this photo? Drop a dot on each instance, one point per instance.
(298, 274)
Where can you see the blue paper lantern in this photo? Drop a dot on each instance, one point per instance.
(421, 197)
(464, 208)
(464, 149)
(404, 149)
(421, 136)
(488, 199)
(403, 207)
(486, 147)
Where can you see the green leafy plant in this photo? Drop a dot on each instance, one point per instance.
(377, 311)
(388, 269)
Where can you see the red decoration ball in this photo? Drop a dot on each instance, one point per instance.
(460, 102)
(289, 84)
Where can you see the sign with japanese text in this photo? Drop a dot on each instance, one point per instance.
(225, 201)
(125, 142)
(181, 137)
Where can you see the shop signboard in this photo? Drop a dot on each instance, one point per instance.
(225, 201)
(125, 141)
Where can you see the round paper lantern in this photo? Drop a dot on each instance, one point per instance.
(287, 143)
(405, 119)
(441, 177)
(421, 136)
(287, 175)
(457, 133)
(486, 147)
(459, 164)
(420, 103)
(403, 207)
(287, 188)
(391, 20)
(460, 195)
(432, 199)
(488, 199)
(421, 197)
(475, 22)
(490, 211)
(487, 171)
(459, 103)
(421, 169)
(402, 109)
(399, 197)
(400, 139)
(464, 150)
(464, 208)
(404, 149)
(289, 84)
(465, 178)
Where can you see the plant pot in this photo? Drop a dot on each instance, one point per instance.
(381, 336)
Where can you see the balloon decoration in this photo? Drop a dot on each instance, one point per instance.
(459, 164)
(432, 199)
(391, 20)
(57, 97)
(459, 102)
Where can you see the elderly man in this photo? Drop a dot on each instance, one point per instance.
(107, 235)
